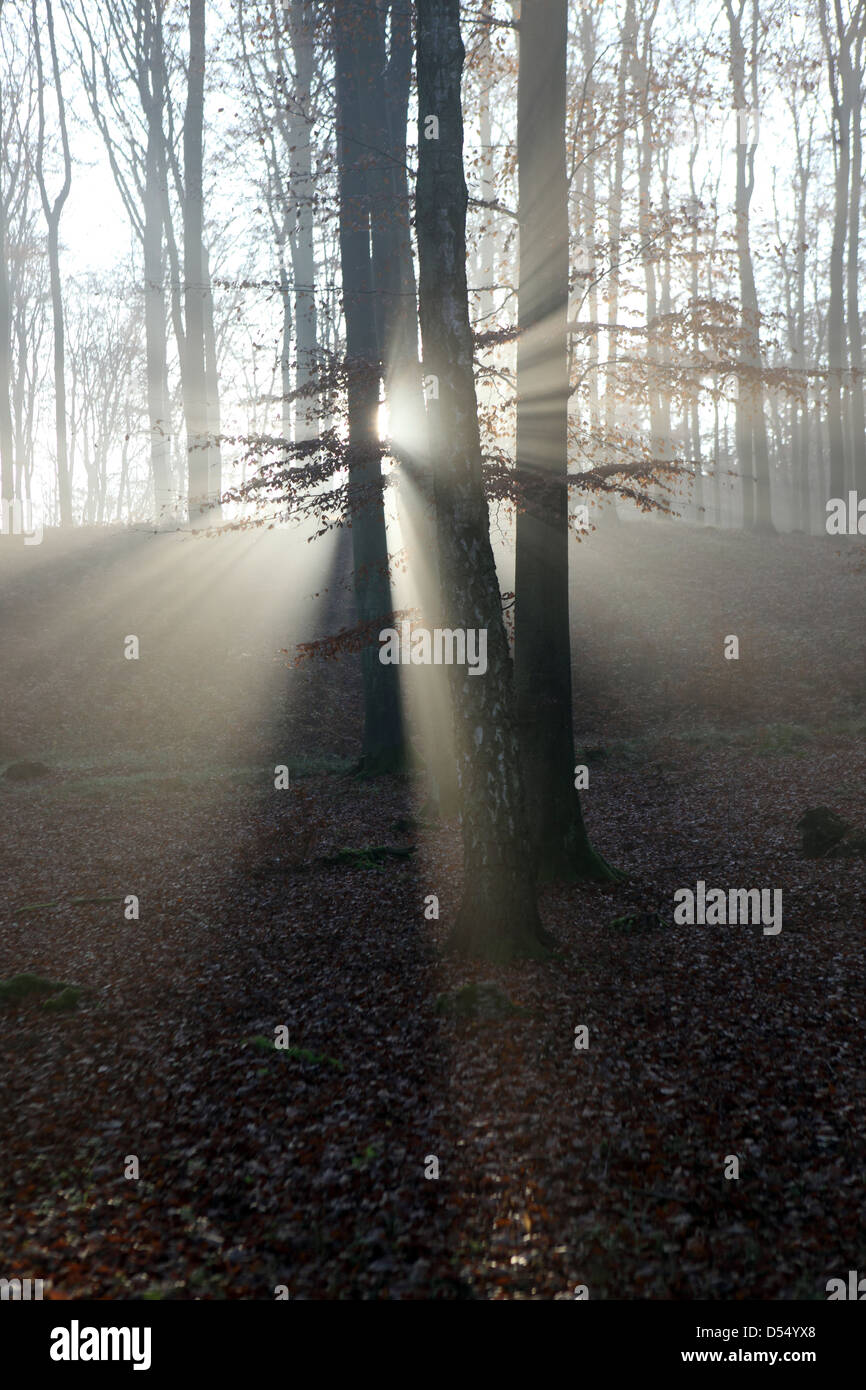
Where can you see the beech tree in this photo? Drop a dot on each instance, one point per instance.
(354, 55)
(53, 209)
(542, 627)
(16, 110)
(752, 449)
(498, 915)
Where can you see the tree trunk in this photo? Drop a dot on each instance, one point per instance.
(394, 279)
(855, 328)
(383, 745)
(286, 351)
(154, 322)
(658, 439)
(53, 213)
(212, 397)
(752, 448)
(196, 285)
(7, 464)
(835, 310)
(542, 662)
(614, 221)
(498, 915)
(486, 251)
(301, 22)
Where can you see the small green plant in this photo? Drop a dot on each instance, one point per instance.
(59, 997)
(366, 1158)
(65, 1001)
(296, 1054)
(23, 986)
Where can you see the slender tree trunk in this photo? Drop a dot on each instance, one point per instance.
(154, 323)
(855, 328)
(663, 352)
(695, 413)
(212, 396)
(658, 439)
(587, 217)
(800, 404)
(7, 478)
(542, 631)
(498, 915)
(307, 405)
(53, 213)
(286, 351)
(195, 388)
(752, 447)
(614, 222)
(124, 467)
(717, 457)
(835, 309)
(486, 257)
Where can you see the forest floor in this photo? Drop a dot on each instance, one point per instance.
(305, 1167)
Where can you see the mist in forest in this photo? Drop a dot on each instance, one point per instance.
(432, 501)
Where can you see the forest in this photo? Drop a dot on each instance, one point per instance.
(432, 502)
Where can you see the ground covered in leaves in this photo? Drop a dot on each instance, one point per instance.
(305, 1166)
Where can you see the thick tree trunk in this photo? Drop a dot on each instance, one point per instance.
(383, 745)
(498, 915)
(386, 114)
(542, 631)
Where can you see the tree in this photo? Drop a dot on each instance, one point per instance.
(843, 48)
(200, 407)
(354, 54)
(498, 915)
(752, 450)
(542, 652)
(16, 105)
(53, 210)
(137, 158)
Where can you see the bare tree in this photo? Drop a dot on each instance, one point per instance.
(498, 915)
(542, 631)
(752, 448)
(16, 110)
(135, 146)
(53, 210)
